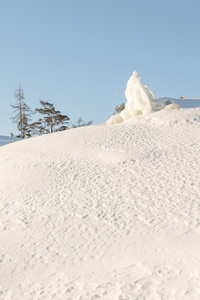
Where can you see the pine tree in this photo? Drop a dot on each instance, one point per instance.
(81, 123)
(23, 113)
(37, 128)
(119, 108)
(51, 121)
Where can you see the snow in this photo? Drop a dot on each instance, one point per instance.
(4, 140)
(104, 212)
(140, 100)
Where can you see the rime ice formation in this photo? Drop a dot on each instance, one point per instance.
(140, 100)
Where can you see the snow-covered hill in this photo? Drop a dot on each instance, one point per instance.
(103, 212)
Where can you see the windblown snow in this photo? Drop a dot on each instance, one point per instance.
(104, 212)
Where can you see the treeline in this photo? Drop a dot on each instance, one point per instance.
(50, 120)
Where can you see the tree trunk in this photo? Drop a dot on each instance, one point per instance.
(20, 111)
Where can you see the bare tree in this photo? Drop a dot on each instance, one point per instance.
(22, 113)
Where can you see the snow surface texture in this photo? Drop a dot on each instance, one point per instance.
(140, 100)
(103, 212)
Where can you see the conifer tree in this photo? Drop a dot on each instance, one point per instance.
(52, 120)
(37, 128)
(22, 113)
(81, 123)
(119, 108)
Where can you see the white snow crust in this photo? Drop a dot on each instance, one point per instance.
(104, 212)
(140, 100)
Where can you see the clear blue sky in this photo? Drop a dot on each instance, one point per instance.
(79, 54)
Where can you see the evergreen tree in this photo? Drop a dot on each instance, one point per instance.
(119, 108)
(81, 123)
(22, 113)
(37, 128)
(51, 121)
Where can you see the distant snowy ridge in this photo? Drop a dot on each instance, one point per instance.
(183, 102)
(4, 140)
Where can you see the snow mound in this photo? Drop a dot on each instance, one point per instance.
(103, 212)
(140, 100)
(172, 106)
(174, 117)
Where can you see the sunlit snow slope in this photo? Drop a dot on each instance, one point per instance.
(103, 212)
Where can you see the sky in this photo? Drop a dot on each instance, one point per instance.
(79, 54)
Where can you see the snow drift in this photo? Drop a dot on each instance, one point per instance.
(140, 100)
(103, 212)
